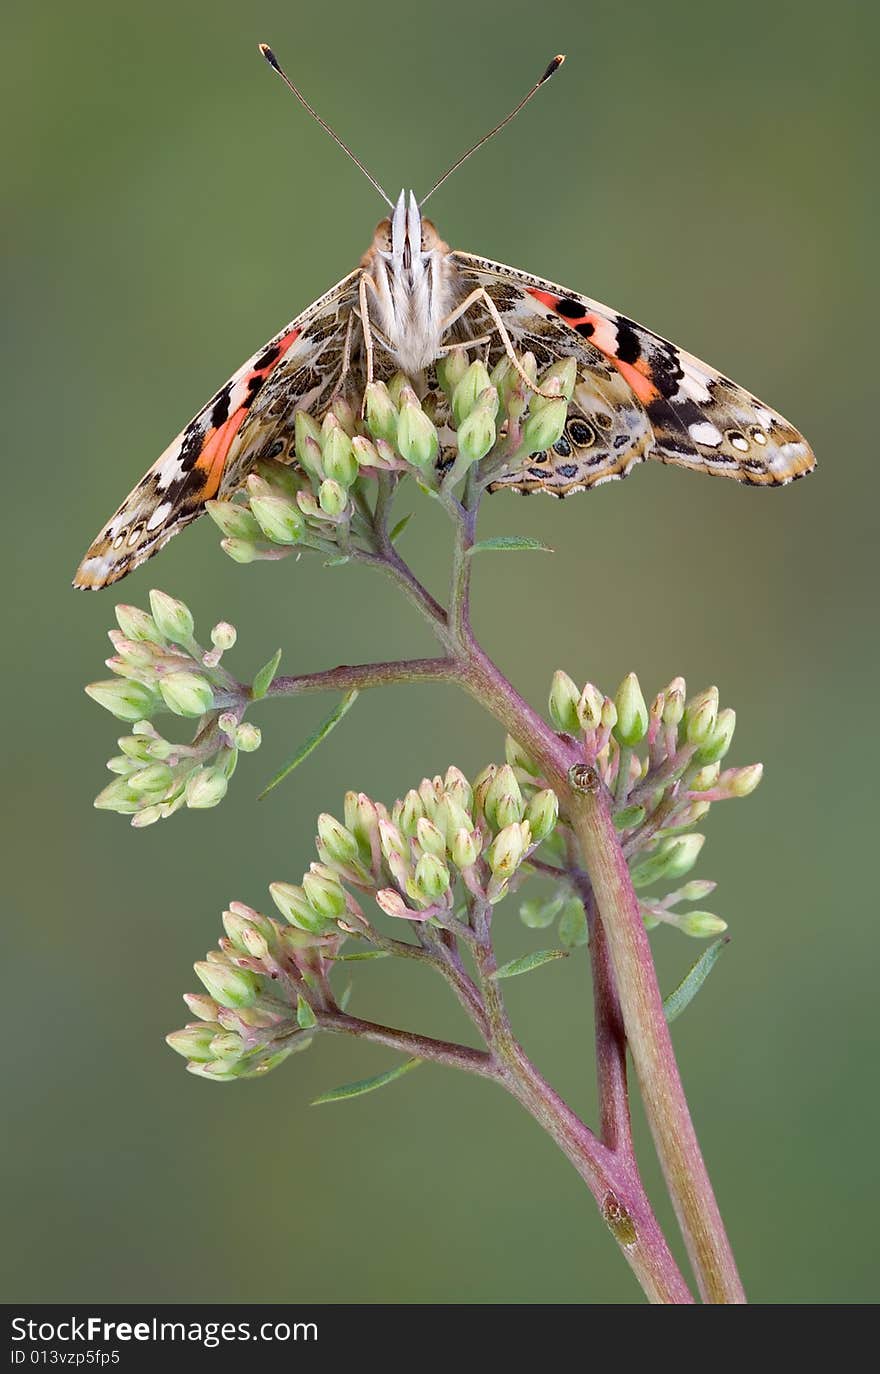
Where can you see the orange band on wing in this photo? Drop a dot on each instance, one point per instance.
(602, 334)
(212, 459)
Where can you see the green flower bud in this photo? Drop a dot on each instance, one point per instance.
(223, 636)
(155, 779)
(228, 1047)
(482, 782)
(629, 817)
(324, 893)
(231, 987)
(380, 412)
(609, 714)
(149, 815)
(202, 1006)
(431, 878)
(136, 624)
(296, 908)
(671, 859)
(476, 433)
(450, 817)
(307, 436)
(186, 694)
(517, 757)
(700, 718)
(504, 803)
(393, 904)
(465, 848)
(194, 1042)
(742, 782)
(279, 517)
(456, 785)
(450, 370)
(589, 707)
(362, 819)
(333, 497)
(694, 891)
(720, 738)
(430, 839)
(542, 813)
(240, 550)
(468, 390)
(701, 924)
(507, 849)
(123, 698)
(173, 618)
(340, 843)
(704, 778)
(248, 737)
(206, 787)
(345, 414)
(561, 374)
(564, 699)
(516, 394)
(339, 459)
(544, 427)
(673, 702)
(235, 923)
(365, 453)
(417, 439)
(118, 796)
(122, 766)
(233, 520)
(632, 713)
(136, 748)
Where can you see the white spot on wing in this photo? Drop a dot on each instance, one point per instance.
(704, 432)
(158, 516)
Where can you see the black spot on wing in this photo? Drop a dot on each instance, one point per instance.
(220, 409)
(570, 309)
(191, 446)
(267, 358)
(629, 350)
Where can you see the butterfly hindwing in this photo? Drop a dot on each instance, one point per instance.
(696, 418)
(213, 454)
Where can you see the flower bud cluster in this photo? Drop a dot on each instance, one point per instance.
(260, 990)
(662, 765)
(160, 667)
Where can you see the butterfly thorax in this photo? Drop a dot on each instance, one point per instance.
(412, 286)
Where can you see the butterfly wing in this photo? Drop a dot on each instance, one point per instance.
(670, 406)
(212, 456)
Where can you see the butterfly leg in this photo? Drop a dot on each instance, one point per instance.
(346, 358)
(365, 324)
(481, 295)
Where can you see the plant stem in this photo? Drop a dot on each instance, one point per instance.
(364, 675)
(423, 1046)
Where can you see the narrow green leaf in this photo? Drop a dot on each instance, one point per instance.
(527, 962)
(337, 561)
(313, 741)
(363, 954)
(694, 979)
(305, 1017)
(367, 1085)
(263, 681)
(509, 543)
(400, 527)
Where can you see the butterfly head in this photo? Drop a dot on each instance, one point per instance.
(411, 281)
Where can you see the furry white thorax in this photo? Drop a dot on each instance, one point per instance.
(413, 288)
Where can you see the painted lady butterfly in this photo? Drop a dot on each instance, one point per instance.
(637, 395)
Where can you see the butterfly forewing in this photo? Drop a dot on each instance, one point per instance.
(690, 415)
(212, 456)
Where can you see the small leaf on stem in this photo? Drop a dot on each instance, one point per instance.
(509, 543)
(366, 1085)
(527, 962)
(313, 741)
(263, 680)
(693, 980)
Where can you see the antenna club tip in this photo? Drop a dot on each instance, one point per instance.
(270, 57)
(552, 66)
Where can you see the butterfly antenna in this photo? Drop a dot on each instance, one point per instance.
(551, 68)
(277, 67)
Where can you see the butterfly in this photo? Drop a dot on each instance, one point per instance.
(411, 301)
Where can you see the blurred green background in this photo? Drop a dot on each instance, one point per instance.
(702, 168)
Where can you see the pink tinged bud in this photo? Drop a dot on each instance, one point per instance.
(186, 694)
(136, 624)
(465, 848)
(248, 737)
(345, 415)
(365, 454)
(194, 1042)
(125, 698)
(148, 816)
(456, 784)
(223, 635)
(393, 904)
(482, 783)
(701, 714)
(632, 713)
(564, 699)
(741, 782)
(559, 378)
(308, 443)
(173, 618)
(408, 812)
(589, 708)
(231, 987)
(542, 814)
